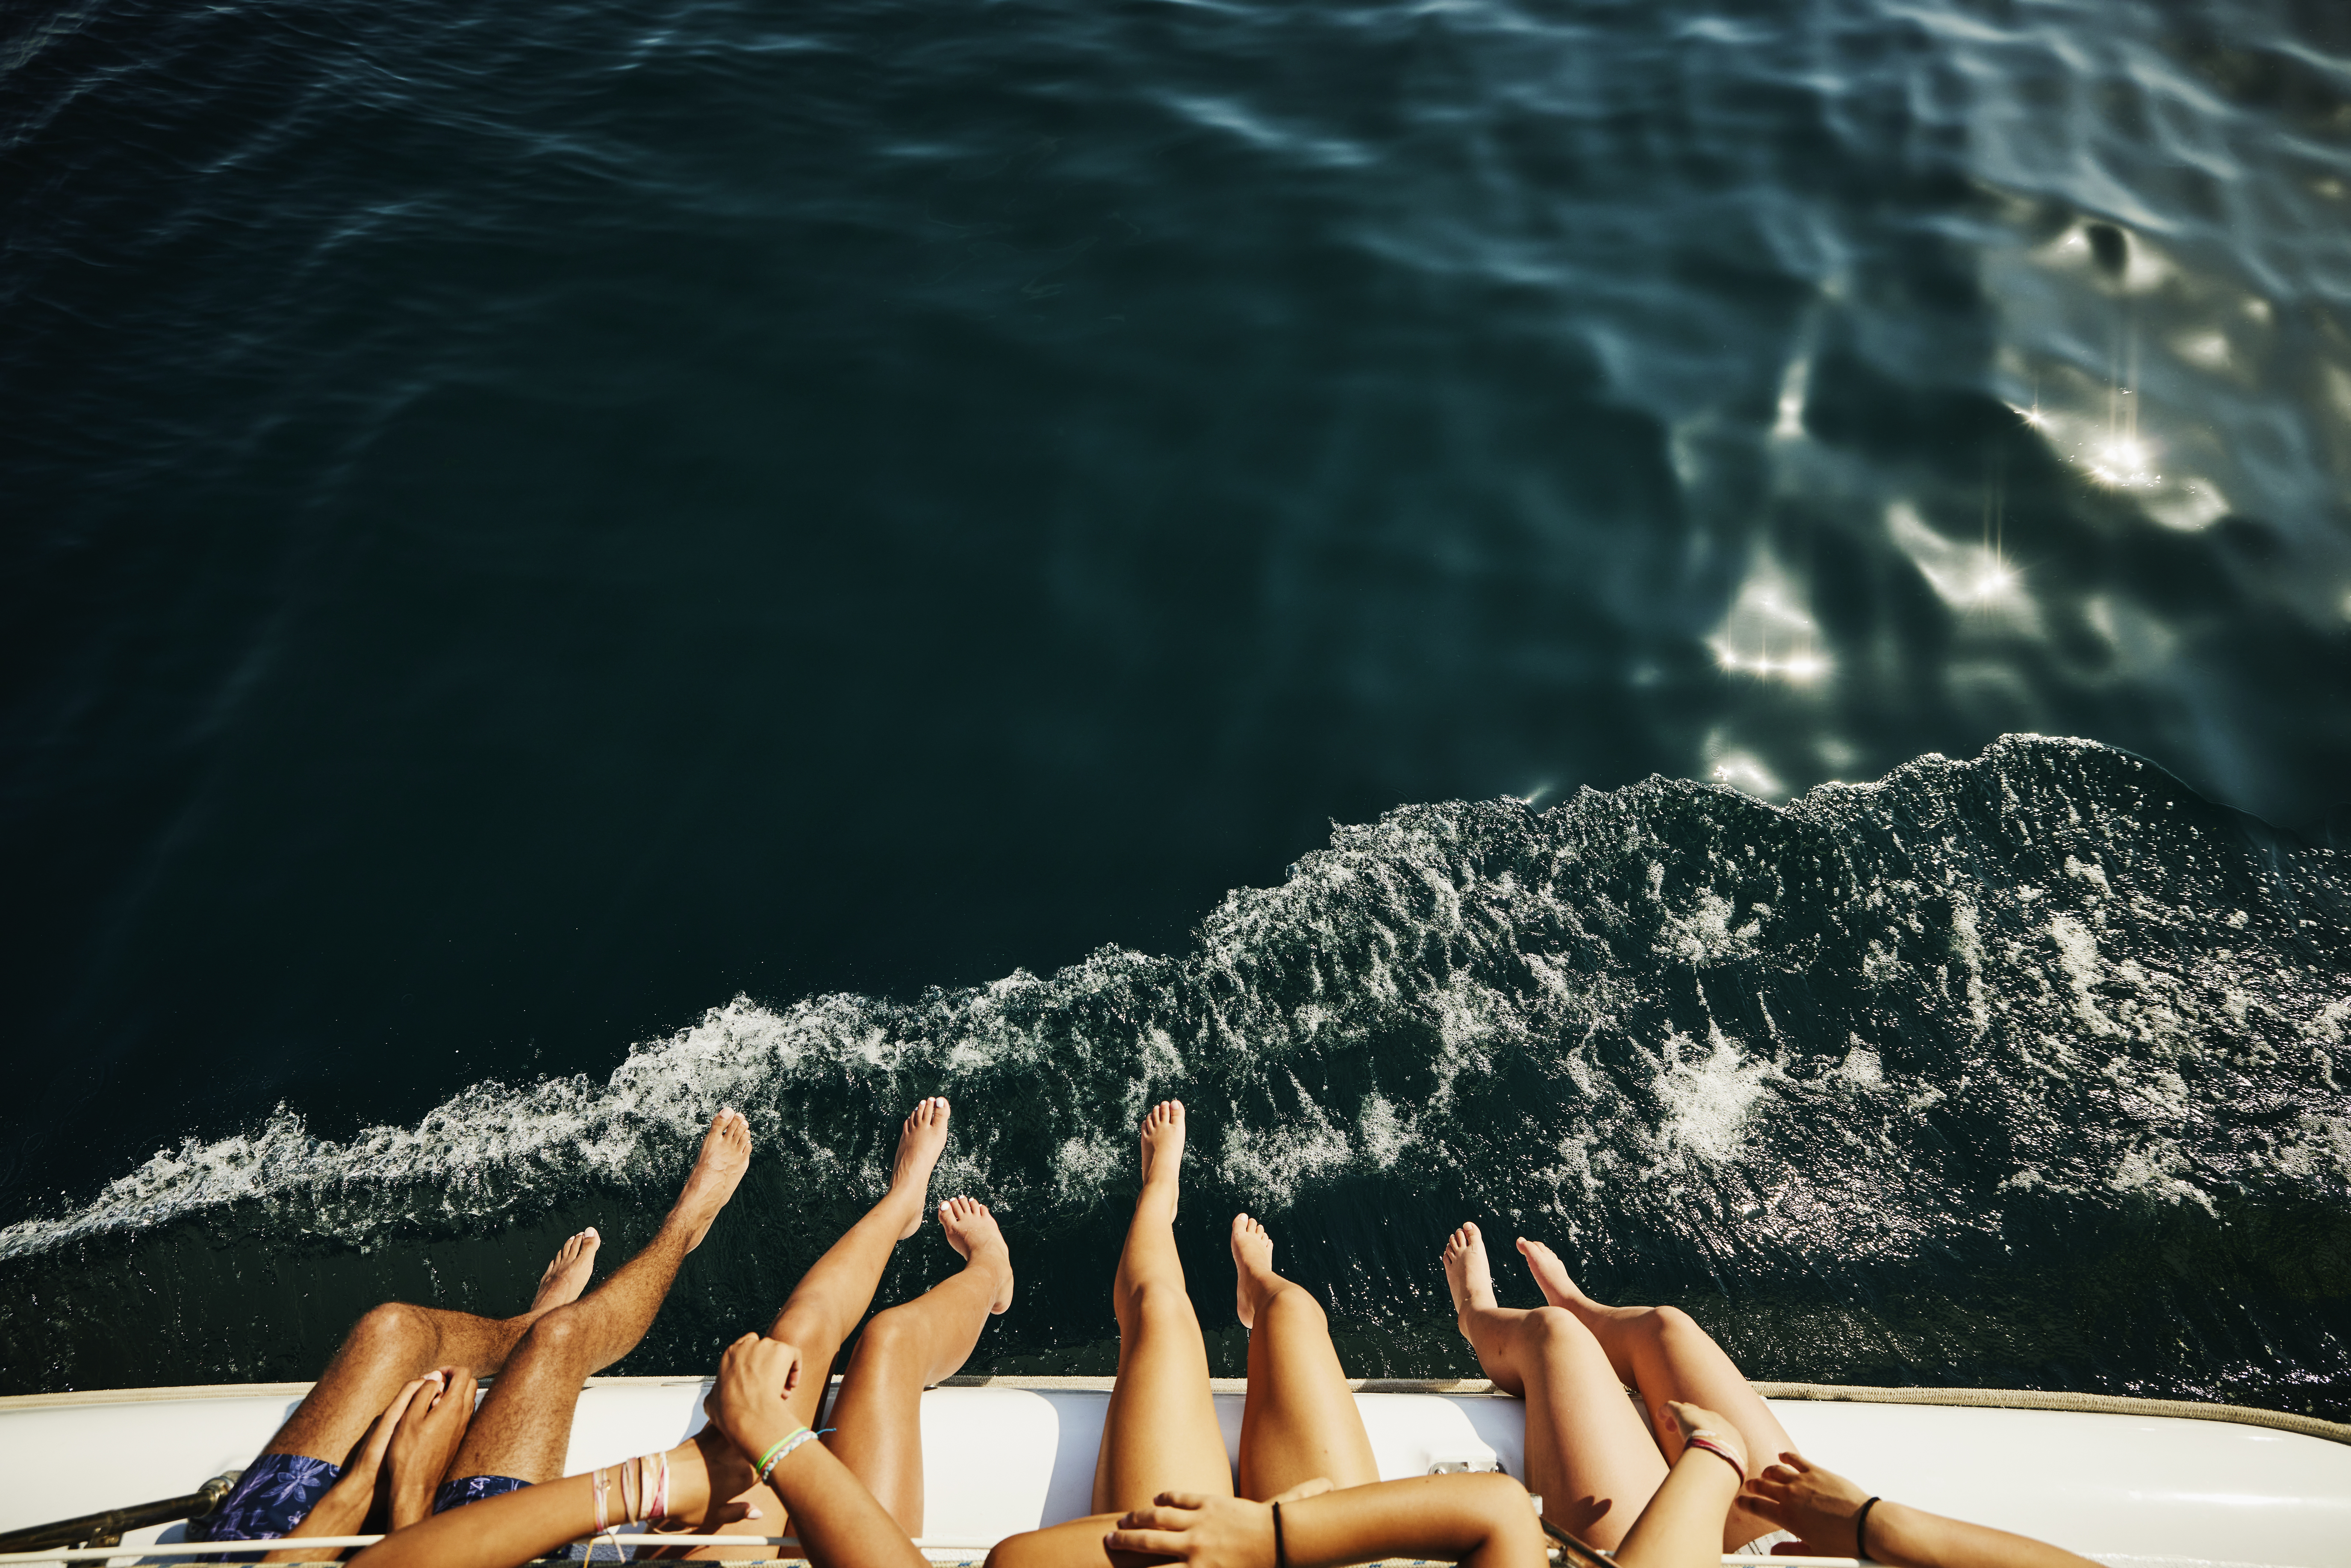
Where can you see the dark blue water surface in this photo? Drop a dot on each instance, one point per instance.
(895, 532)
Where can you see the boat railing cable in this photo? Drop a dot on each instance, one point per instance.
(107, 1528)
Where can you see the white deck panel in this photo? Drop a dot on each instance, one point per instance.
(2131, 1489)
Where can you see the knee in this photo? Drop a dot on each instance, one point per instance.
(1556, 1329)
(1671, 1323)
(1295, 1309)
(1153, 1301)
(556, 1332)
(393, 1330)
(890, 1338)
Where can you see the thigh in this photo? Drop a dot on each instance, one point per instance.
(1160, 1433)
(523, 1429)
(1674, 1359)
(391, 1345)
(1076, 1543)
(1301, 1421)
(1589, 1454)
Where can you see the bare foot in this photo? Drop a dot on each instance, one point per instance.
(920, 1142)
(972, 1231)
(726, 1154)
(567, 1276)
(1252, 1265)
(1163, 1148)
(1551, 1275)
(1467, 1274)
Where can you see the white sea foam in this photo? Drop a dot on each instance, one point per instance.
(1709, 1103)
(1596, 1010)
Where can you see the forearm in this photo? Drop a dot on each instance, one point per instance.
(1682, 1526)
(1912, 1538)
(342, 1511)
(1480, 1521)
(837, 1521)
(515, 1528)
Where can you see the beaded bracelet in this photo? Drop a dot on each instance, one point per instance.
(782, 1451)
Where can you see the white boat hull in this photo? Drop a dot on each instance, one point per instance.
(2119, 1484)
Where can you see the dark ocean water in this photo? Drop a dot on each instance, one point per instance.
(520, 524)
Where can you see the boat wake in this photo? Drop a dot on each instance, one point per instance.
(1975, 1026)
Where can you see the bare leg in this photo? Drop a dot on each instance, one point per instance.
(523, 1427)
(1588, 1455)
(395, 1344)
(1300, 1420)
(830, 1300)
(878, 1419)
(1160, 1432)
(1664, 1355)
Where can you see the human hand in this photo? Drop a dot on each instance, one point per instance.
(424, 1439)
(1696, 1421)
(344, 1509)
(728, 1484)
(746, 1401)
(1204, 1532)
(1820, 1506)
(368, 1458)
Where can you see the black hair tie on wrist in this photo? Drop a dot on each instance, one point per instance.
(1281, 1558)
(1860, 1531)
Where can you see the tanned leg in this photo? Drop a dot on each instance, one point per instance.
(523, 1427)
(1588, 1455)
(1664, 1355)
(830, 1300)
(395, 1344)
(878, 1419)
(1300, 1420)
(1160, 1432)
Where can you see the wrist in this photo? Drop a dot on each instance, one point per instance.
(410, 1497)
(754, 1436)
(1303, 1536)
(343, 1508)
(1704, 1457)
(776, 1455)
(1890, 1533)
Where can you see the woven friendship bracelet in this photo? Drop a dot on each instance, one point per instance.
(782, 1451)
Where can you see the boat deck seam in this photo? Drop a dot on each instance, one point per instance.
(1454, 1387)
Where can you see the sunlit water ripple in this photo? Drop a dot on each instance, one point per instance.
(529, 521)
